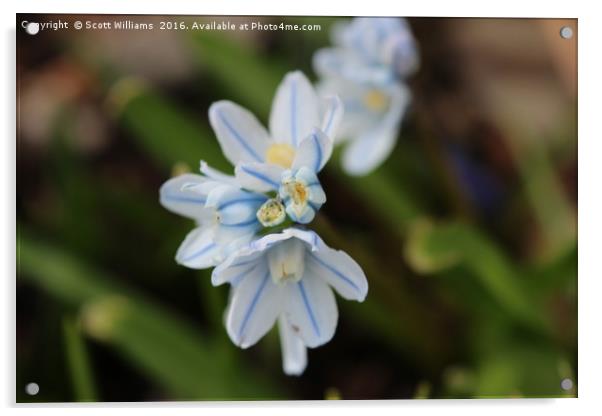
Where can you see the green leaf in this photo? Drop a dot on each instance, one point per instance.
(158, 342)
(167, 134)
(79, 363)
(432, 248)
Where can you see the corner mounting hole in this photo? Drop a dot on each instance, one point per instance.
(566, 32)
(32, 389)
(566, 384)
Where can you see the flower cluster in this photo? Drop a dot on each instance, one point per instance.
(367, 67)
(251, 226)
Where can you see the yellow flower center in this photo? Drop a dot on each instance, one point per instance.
(298, 191)
(376, 100)
(281, 154)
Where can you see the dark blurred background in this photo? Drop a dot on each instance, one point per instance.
(467, 234)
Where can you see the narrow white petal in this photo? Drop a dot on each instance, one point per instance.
(254, 307)
(294, 109)
(235, 207)
(332, 117)
(240, 135)
(318, 196)
(313, 152)
(241, 258)
(294, 352)
(369, 150)
(178, 196)
(234, 272)
(258, 177)
(199, 250)
(269, 240)
(311, 310)
(218, 176)
(339, 270)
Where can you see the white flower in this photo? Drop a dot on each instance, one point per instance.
(289, 277)
(224, 213)
(302, 131)
(367, 67)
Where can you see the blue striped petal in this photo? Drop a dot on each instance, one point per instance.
(313, 152)
(183, 196)
(254, 306)
(294, 352)
(332, 117)
(258, 177)
(294, 110)
(199, 249)
(240, 135)
(310, 307)
(234, 206)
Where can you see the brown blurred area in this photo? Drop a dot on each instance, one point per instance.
(500, 89)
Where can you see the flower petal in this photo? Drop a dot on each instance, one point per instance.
(304, 217)
(178, 195)
(339, 270)
(294, 109)
(235, 207)
(345, 64)
(368, 151)
(257, 248)
(259, 177)
(357, 117)
(240, 135)
(199, 250)
(294, 352)
(218, 176)
(253, 308)
(332, 117)
(314, 151)
(311, 310)
(235, 270)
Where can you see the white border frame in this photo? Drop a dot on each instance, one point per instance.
(590, 203)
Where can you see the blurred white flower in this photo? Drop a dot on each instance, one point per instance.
(367, 68)
(289, 277)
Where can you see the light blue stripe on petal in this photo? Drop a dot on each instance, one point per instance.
(239, 138)
(331, 114)
(308, 308)
(294, 113)
(199, 253)
(259, 176)
(241, 224)
(253, 304)
(192, 200)
(258, 198)
(316, 141)
(238, 278)
(336, 272)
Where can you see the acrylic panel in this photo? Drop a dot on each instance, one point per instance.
(295, 208)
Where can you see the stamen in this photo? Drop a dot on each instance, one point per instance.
(271, 213)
